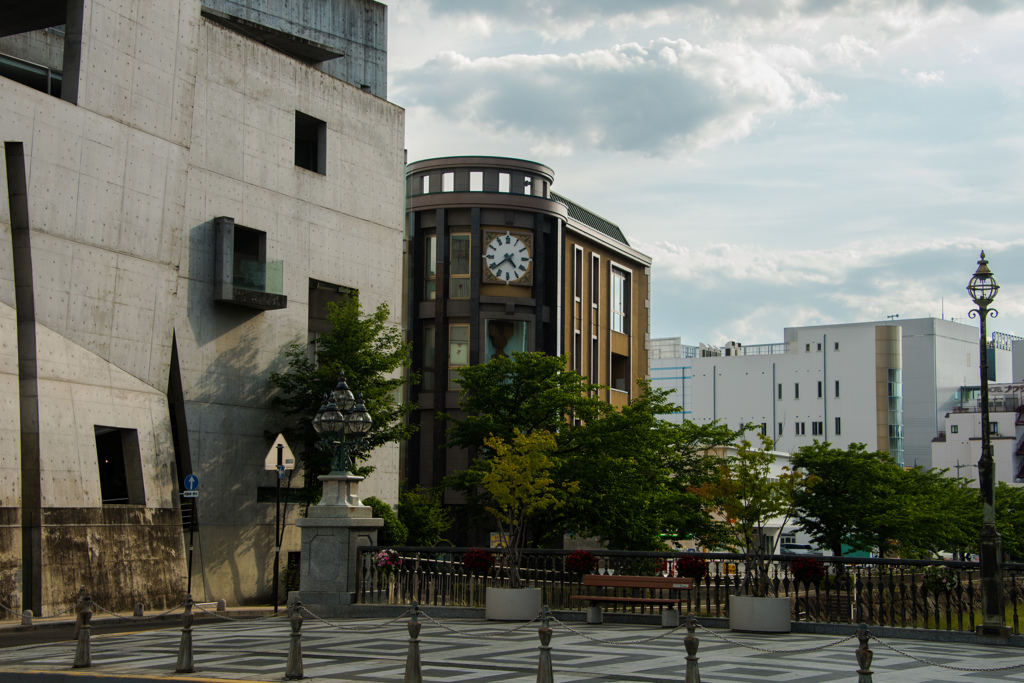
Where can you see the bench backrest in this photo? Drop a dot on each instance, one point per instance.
(625, 581)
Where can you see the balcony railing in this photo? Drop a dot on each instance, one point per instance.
(255, 276)
(882, 592)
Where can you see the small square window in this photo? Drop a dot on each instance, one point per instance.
(476, 181)
(310, 143)
(819, 347)
(954, 429)
(448, 182)
(527, 185)
(807, 347)
(504, 182)
(837, 346)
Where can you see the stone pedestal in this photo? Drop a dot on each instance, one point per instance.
(332, 533)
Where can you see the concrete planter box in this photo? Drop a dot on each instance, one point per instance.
(760, 615)
(512, 604)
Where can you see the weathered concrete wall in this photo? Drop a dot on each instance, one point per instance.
(10, 560)
(122, 554)
(45, 48)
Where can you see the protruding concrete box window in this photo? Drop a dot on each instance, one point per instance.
(310, 143)
(243, 276)
(120, 466)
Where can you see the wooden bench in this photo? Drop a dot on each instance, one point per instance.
(636, 585)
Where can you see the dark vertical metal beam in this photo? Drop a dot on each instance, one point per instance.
(28, 384)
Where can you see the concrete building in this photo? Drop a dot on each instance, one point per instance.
(887, 384)
(500, 263)
(958, 446)
(187, 184)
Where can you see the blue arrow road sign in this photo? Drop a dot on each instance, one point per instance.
(191, 483)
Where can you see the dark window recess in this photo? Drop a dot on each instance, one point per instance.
(321, 295)
(34, 76)
(120, 466)
(310, 143)
(268, 494)
(242, 273)
(839, 427)
(620, 372)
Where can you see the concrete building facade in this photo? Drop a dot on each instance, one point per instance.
(182, 198)
(500, 263)
(887, 384)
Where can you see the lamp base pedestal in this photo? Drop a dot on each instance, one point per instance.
(331, 536)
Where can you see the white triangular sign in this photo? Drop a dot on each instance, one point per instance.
(287, 459)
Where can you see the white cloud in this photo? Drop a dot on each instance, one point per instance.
(929, 77)
(850, 52)
(658, 99)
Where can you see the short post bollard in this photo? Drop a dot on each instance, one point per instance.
(26, 618)
(294, 670)
(138, 610)
(864, 655)
(691, 642)
(186, 663)
(544, 672)
(413, 667)
(83, 652)
(222, 605)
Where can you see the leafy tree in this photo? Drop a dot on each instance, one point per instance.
(424, 516)
(371, 353)
(853, 483)
(749, 498)
(393, 532)
(516, 483)
(634, 469)
(1009, 518)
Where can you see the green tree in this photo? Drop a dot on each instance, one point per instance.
(372, 355)
(424, 516)
(748, 498)
(853, 484)
(1009, 518)
(635, 470)
(393, 532)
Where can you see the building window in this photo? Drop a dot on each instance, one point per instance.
(819, 347)
(819, 389)
(448, 182)
(800, 428)
(458, 352)
(242, 274)
(476, 181)
(780, 392)
(527, 185)
(993, 428)
(310, 143)
(796, 390)
(895, 390)
(430, 266)
(817, 429)
(426, 184)
(504, 182)
(595, 318)
(32, 75)
(120, 466)
(459, 281)
(780, 429)
(839, 428)
(428, 357)
(837, 346)
(504, 337)
(954, 429)
(577, 310)
(764, 429)
(619, 300)
(620, 372)
(837, 388)
(807, 347)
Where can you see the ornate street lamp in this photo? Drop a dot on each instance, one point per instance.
(983, 290)
(341, 413)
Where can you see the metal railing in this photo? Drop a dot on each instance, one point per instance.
(881, 592)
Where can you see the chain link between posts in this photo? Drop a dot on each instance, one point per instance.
(941, 666)
(227, 618)
(132, 617)
(494, 634)
(355, 628)
(51, 616)
(769, 650)
(616, 642)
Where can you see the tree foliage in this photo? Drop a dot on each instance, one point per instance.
(393, 532)
(421, 511)
(634, 470)
(371, 353)
(748, 498)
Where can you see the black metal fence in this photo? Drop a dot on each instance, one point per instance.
(882, 592)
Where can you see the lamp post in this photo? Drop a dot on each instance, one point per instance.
(983, 290)
(341, 413)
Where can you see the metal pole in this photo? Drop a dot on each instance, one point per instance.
(277, 524)
(993, 613)
(191, 538)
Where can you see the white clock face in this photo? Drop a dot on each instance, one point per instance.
(507, 258)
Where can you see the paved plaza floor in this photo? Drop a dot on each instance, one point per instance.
(483, 652)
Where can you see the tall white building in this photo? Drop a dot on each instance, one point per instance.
(185, 184)
(886, 384)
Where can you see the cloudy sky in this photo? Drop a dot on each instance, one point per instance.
(785, 162)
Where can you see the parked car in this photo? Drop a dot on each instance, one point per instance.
(797, 549)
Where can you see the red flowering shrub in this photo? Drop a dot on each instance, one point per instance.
(478, 561)
(808, 570)
(694, 567)
(581, 562)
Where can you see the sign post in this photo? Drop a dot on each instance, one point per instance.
(279, 458)
(191, 491)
